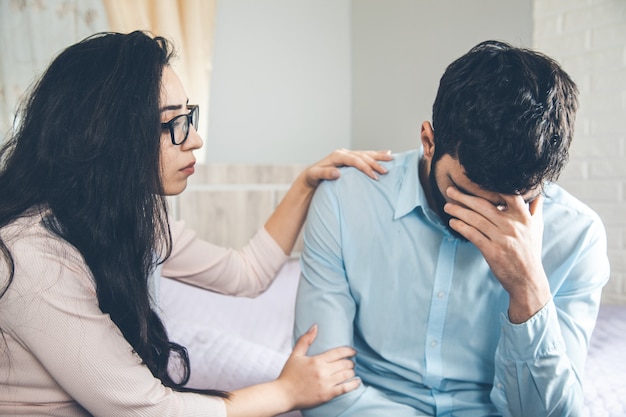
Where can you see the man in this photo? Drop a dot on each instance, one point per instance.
(467, 281)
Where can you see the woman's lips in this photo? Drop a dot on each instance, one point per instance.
(189, 169)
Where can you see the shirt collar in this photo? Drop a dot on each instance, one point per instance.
(411, 193)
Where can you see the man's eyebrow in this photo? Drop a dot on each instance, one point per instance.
(461, 189)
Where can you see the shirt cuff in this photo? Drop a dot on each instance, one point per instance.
(538, 337)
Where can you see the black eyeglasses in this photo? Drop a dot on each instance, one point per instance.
(179, 125)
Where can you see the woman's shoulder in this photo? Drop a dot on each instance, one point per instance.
(38, 252)
(30, 231)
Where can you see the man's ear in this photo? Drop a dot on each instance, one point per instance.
(428, 140)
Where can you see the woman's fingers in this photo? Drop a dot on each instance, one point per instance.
(365, 161)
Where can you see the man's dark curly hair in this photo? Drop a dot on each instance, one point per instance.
(507, 114)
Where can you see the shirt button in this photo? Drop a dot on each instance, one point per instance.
(440, 294)
(433, 343)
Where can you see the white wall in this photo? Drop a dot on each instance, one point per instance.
(280, 89)
(588, 37)
(294, 79)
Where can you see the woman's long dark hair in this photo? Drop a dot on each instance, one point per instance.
(87, 147)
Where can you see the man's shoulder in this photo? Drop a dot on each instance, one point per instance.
(396, 169)
(564, 211)
(558, 199)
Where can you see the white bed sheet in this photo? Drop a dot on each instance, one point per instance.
(236, 342)
(233, 342)
(605, 370)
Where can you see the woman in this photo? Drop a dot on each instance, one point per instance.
(106, 134)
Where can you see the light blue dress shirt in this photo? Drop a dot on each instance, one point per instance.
(381, 273)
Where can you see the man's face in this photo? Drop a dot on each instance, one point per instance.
(448, 172)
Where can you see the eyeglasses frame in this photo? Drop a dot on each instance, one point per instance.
(192, 120)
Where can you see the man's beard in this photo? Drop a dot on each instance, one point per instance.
(440, 201)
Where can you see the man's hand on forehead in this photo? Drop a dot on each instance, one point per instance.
(510, 240)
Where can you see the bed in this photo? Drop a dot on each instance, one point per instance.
(235, 342)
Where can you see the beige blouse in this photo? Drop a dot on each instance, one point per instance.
(62, 356)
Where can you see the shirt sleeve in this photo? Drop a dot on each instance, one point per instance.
(539, 364)
(72, 349)
(324, 298)
(246, 272)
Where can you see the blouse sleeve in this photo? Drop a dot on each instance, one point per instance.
(247, 272)
(66, 348)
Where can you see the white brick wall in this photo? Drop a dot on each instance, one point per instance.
(588, 37)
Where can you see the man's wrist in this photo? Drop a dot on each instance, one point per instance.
(525, 304)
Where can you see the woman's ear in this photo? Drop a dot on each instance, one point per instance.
(428, 140)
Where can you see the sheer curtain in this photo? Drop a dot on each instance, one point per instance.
(190, 25)
(32, 32)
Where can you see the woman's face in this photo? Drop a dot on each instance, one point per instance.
(177, 161)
